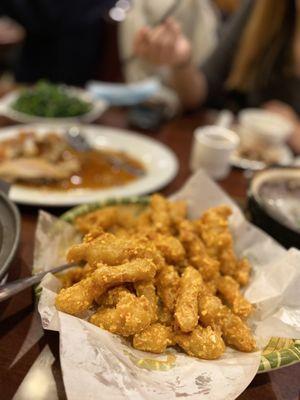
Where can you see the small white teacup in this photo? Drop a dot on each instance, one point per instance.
(211, 150)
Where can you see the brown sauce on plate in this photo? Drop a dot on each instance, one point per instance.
(99, 169)
(96, 172)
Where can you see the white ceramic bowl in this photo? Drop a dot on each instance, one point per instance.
(264, 125)
(98, 108)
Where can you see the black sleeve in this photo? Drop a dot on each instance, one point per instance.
(216, 68)
(54, 16)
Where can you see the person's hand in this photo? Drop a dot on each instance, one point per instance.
(294, 141)
(288, 112)
(163, 45)
(283, 109)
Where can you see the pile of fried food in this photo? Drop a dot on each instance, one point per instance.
(161, 279)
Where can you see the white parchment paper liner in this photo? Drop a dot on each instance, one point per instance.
(99, 365)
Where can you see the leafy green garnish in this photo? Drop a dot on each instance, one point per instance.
(51, 101)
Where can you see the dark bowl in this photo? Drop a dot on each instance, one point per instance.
(9, 232)
(269, 188)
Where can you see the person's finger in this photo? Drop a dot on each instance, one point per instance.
(282, 109)
(271, 103)
(294, 142)
(156, 33)
(167, 41)
(278, 108)
(154, 43)
(276, 104)
(173, 26)
(157, 45)
(138, 37)
(145, 33)
(166, 48)
(141, 40)
(138, 46)
(267, 104)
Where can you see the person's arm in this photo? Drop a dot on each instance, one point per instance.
(166, 45)
(190, 84)
(294, 141)
(134, 69)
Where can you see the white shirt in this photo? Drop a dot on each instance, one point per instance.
(199, 22)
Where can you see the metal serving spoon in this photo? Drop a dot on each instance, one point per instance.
(10, 289)
(77, 140)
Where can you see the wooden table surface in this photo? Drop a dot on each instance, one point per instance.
(20, 343)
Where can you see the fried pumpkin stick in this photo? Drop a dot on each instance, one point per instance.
(156, 338)
(108, 249)
(196, 252)
(167, 283)
(169, 246)
(186, 309)
(196, 341)
(112, 296)
(131, 315)
(79, 297)
(147, 289)
(109, 218)
(229, 290)
(235, 332)
(159, 214)
(214, 229)
(202, 342)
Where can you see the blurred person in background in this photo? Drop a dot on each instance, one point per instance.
(199, 21)
(11, 38)
(256, 63)
(63, 38)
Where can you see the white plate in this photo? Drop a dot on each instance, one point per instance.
(285, 158)
(98, 107)
(160, 162)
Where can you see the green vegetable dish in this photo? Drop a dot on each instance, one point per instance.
(51, 101)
